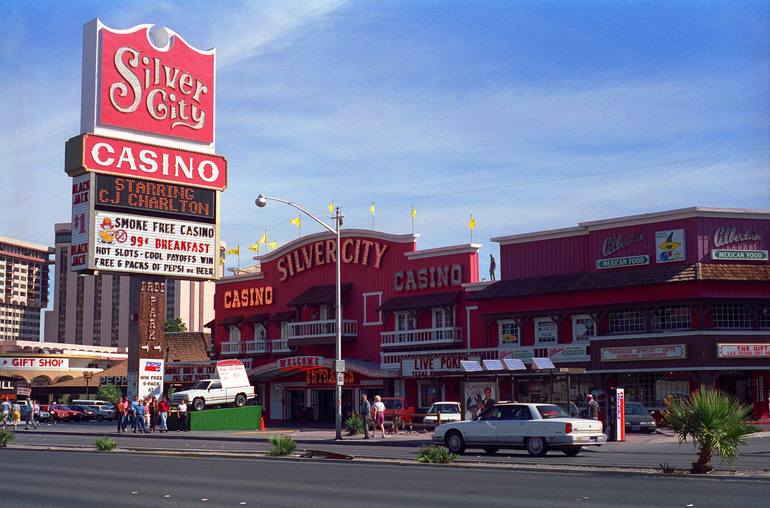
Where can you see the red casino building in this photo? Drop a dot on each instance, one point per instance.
(658, 304)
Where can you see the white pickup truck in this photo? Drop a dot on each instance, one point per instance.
(209, 392)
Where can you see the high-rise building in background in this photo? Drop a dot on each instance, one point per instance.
(93, 309)
(23, 288)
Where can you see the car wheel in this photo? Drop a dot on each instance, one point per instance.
(198, 404)
(240, 400)
(490, 450)
(572, 451)
(537, 447)
(455, 442)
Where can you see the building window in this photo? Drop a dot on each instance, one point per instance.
(583, 328)
(234, 333)
(626, 321)
(442, 317)
(509, 333)
(764, 317)
(405, 321)
(731, 315)
(427, 394)
(672, 317)
(546, 331)
(372, 314)
(260, 334)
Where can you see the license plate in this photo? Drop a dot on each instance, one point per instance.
(634, 427)
(594, 438)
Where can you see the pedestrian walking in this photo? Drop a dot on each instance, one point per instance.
(29, 415)
(35, 412)
(183, 422)
(120, 414)
(6, 408)
(153, 413)
(593, 407)
(379, 415)
(365, 410)
(16, 413)
(134, 413)
(163, 408)
(139, 424)
(146, 404)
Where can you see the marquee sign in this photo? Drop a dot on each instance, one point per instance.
(101, 154)
(644, 353)
(743, 350)
(26, 363)
(119, 194)
(148, 81)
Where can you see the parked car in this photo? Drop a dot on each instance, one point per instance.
(43, 416)
(105, 412)
(57, 412)
(76, 414)
(638, 418)
(208, 392)
(536, 428)
(87, 412)
(449, 411)
(397, 413)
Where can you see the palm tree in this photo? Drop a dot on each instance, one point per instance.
(175, 325)
(715, 421)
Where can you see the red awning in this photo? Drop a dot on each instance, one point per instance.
(257, 318)
(232, 320)
(320, 295)
(288, 315)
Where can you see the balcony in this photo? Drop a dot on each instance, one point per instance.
(249, 347)
(280, 346)
(320, 332)
(422, 337)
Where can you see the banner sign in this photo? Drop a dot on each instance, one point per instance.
(232, 373)
(101, 154)
(23, 363)
(669, 246)
(118, 194)
(644, 353)
(623, 261)
(150, 382)
(739, 255)
(302, 362)
(743, 350)
(152, 82)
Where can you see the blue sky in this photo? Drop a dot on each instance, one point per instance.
(529, 115)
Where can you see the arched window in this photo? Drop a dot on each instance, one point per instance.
(235, 334)
(260, 333)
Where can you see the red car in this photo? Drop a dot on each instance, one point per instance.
(59, 412)
(397, 414)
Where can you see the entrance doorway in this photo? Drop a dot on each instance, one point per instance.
(323, 402)
(738, 385)
(296, 403)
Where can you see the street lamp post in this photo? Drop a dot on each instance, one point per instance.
(339, 369)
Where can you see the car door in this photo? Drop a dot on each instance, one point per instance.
(484, 429)
(513, 425)
(216, 393)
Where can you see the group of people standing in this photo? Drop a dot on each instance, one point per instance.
(372, 412)
(12, 413)
(148, 415)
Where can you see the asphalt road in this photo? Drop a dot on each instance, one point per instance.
(48, 478)
(639, 451)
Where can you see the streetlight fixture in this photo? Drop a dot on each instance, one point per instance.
(339, 366)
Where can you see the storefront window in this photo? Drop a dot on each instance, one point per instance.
(583, 328)
(235, 334)
(672, 317)
(442, 318)
(731, 315)
(764, 317)
(626, 321)
(260, 334)
(427, 394)
(545, 331)
(508, 331)
(405, 321)
(652, 388)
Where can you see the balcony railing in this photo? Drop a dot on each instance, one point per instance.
(254, 347)
(247, 347)
(280, 346)
(422, 337)
(230, 348)
(318, 330)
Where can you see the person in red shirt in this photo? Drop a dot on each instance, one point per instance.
(163, 408)
(120, 413)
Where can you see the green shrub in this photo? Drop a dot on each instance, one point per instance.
(105, 444)
(355, 425)
(281, 446)
(432, 454)
(110, 393)
(6, 436)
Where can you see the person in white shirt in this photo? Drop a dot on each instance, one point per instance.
(184, 423)
(379, 415)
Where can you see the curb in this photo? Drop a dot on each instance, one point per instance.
(262, 456)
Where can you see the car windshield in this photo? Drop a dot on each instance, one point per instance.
(393, 404)
(444, 408)
(65, 408)
(552, 411)
(201, 385)
(636, 410)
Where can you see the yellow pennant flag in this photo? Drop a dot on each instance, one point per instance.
(371, 208)
(330, 206)
(273, 244)
(221, 255)
(263, 238)
(297, 221)
(414, 212)
(472, 223)
(236, 251)
(254, 247)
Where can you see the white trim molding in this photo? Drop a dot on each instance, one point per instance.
(467, 248)
(364, 322)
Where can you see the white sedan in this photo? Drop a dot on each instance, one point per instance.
(532, 427)
(449, 412)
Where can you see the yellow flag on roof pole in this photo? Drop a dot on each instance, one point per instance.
(472, 226)
(413, 213)
(254, 247)
(330, 206)
(297, 221)
(272, 245)
(371, 211)
(263, 238)
(236, 252)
